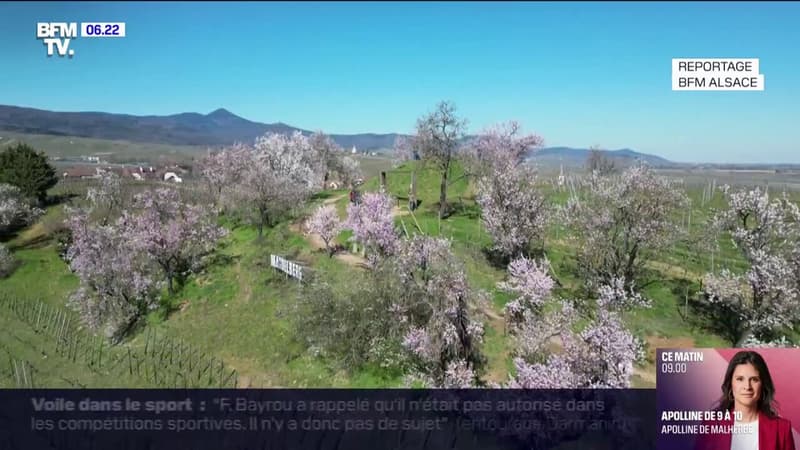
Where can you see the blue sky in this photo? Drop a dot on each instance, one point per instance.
(578, 74)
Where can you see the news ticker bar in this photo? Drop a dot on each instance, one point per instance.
(328, 418)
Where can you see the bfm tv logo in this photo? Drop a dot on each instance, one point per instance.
(47, 31)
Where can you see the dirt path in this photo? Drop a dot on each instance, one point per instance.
(245, 288)
(399, 211)
(332, 200)
(318, 244)
(495, 320)
(497, 369)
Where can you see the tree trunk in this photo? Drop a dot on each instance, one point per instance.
(743, 336)
(629, 267)
(120, 334)
(443, 195)
(412, 194)
(264, 220)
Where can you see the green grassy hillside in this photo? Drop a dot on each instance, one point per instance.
(228, 326)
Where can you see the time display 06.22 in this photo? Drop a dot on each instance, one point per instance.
(92, 29)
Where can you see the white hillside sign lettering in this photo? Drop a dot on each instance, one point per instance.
(294, 270)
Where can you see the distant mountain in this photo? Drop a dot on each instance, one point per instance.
(576, 157)
(220, 127)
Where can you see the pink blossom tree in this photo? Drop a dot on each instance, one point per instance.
(175, 234)
(348, 170)
(623, 221)
(328, 155)
(513, 211)
(372, 224)
(118, 284)
(107, 199)
(223, 170)
(15, 211)
(434, 305)
(529, 281)
(326, 223)
(498, 148)
(291, 157)
(282, 173)
(765, 298)
(413, 313)
(403, 150)
(601, 354)
(333, 161)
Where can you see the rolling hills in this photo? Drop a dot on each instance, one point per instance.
(220, 127)
(190, 132)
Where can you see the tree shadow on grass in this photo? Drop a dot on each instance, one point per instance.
(221, 259)
(324, 195)
(700, 314)
(60, 199)
(500, 260)
(38, 242)
(468, 210)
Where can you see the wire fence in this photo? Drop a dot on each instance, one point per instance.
(161, 361)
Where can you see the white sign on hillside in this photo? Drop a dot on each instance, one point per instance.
(292, 269)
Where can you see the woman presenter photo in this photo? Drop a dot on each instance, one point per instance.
(749, 395)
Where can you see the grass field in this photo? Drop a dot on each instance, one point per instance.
(234, 314)
(112, 151)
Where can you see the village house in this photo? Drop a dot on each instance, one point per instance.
(172, 176)
(170, 173)
(82, 173)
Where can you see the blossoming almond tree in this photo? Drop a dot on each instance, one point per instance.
(531, 284)
(601, 354)
(175, 234)
(765, 298)
(325, 222)
(348, 170)
(498, 148)
(106, 200)
(282, 174)
(622, 222)
(513, 211)
(435, 306)
(118, 283)
(223, 170)
(15, 211)
(326, 154)
(372, 224)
